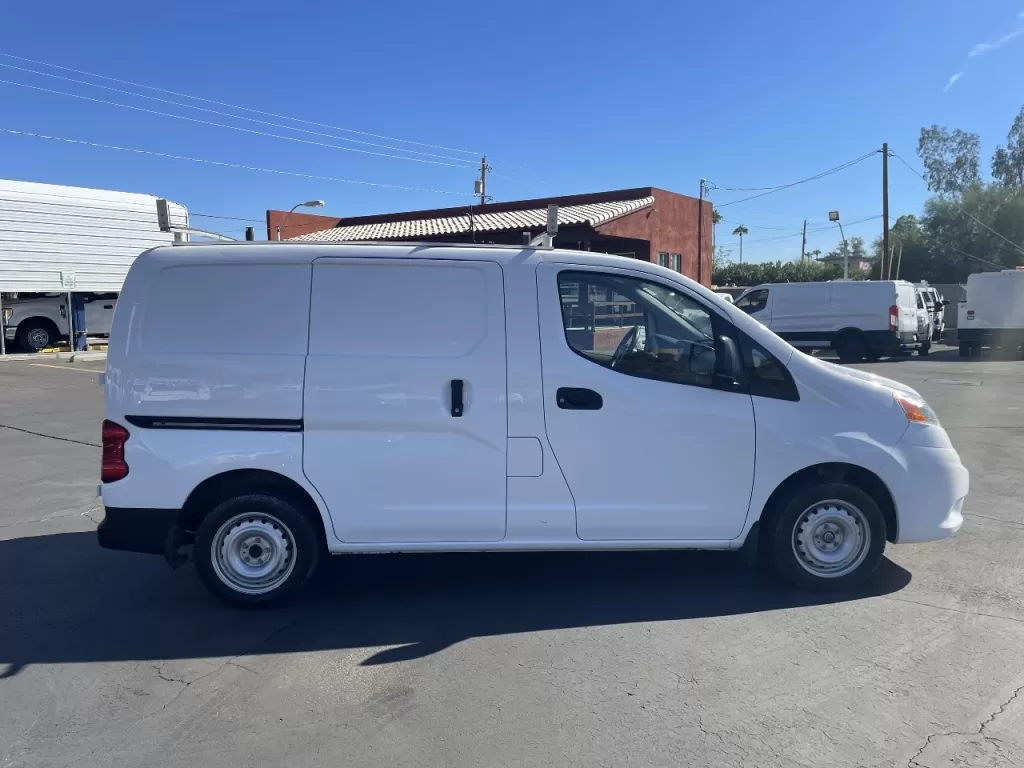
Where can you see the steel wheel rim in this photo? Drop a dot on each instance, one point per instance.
(38, 338)
(253, 553)
(831, 538)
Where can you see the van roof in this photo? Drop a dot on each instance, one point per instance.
(292, 251)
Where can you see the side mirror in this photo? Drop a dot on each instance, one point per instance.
(730, 372)
(945, 302)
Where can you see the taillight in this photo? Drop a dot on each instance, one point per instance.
(894, 317)
(114, 466)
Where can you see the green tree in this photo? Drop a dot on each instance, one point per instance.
(950, 159)
(741, 231)
(1008, 161)
(959, 245)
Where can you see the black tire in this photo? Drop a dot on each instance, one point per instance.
(924, 349)
(34, 335)
(278, 518)
(844, 497)
(965, 349)
(873, 355)
(850, 347)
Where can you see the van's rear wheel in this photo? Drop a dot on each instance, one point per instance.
(924, 349)
(828, 537)
(851, 347)
(256, 550)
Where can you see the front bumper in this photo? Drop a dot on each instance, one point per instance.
(138, 530)
(929, 487)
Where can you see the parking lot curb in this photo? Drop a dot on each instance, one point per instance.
(81, 357)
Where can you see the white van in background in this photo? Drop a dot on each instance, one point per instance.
(857, 318)
(936, 306)
(992, 313)
(490, 398)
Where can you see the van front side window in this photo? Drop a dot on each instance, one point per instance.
(754, 301)
(638, 328)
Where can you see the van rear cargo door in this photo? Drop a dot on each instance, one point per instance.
(405, 405)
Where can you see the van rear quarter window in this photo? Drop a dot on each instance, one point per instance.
(433, 309)
(228, 309)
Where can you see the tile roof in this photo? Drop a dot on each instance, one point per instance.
(592, 215)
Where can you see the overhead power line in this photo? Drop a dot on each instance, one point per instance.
(222, 164)
(238, 107)
(969, 215)
(815, 177)
(230, 127)
(459, 160)
(777, 238)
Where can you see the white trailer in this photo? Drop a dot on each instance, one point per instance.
(56, 240)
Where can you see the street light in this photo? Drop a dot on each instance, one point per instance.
(834, 216)
(307, 204)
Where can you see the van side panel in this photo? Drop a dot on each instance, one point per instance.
(219, 340)
(861, 305)
(405, 404)
(800, 309)
(206, 341)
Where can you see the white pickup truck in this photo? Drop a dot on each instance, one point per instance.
(32, 324)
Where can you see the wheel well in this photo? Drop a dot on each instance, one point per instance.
(849, 333)
(218, 488)
(39, 320)
(864, 479)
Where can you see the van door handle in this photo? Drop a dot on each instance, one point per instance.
(108, 306)
(456, 398)
(577, 399)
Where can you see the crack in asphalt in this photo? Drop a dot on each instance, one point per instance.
(952, 610)
(186, 684)
(51, 437)
(913, 761)
(994, 519)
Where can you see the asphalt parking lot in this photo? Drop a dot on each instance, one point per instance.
(639, 659)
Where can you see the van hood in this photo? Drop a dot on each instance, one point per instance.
(873, 378)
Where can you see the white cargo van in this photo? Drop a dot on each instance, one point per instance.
(936, 306)
(992, 314)
(450, 398)
(857, 318)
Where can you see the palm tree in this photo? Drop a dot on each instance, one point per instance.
(741, 231)
(715, 218)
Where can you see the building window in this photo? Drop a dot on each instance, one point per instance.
(675, 261)
(662, 259)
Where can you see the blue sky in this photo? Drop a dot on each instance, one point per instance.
(564, 97)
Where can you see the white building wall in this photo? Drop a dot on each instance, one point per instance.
(94, 234)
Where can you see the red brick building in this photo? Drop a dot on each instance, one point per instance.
(646, 223)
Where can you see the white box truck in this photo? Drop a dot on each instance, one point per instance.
(55, 239)
(992, 313)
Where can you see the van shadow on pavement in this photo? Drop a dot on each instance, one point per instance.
(65, 600)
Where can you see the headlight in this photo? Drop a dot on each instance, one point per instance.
(7, 314)
(915, 408)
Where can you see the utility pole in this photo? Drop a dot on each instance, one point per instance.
(700, 232)
(803, 243)
(885, 203)
(481, 183)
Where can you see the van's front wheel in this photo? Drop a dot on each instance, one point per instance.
(850, 347)
(828, 537)
(255, 550)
